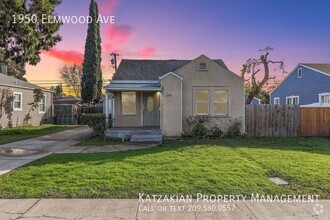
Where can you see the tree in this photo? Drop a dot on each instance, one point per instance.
(91, 83)
(256, 72)
(71, 75)
(37, 96)
(6, 100)
(23, 34)
(58, 91)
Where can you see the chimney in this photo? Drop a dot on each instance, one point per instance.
(3, 69)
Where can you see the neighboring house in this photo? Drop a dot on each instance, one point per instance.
(255, 101)
(21, 94)
(164, 93)
(305, 84)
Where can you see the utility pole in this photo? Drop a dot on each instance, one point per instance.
(114, 60)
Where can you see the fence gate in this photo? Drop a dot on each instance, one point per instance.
(315, 121)
(64, 114)
(272, 120)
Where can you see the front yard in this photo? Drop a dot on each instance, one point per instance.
(229, 166)
(9, 135)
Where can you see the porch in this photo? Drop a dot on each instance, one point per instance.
(136, 134)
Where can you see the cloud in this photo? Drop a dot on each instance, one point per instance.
(67, 56)
(107, 6)
(119, 33)
(147, 52)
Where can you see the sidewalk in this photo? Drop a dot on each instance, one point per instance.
(133, 209)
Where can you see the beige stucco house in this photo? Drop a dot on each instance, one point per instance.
(163, 94)
(16, 108)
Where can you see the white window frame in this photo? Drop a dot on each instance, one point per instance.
(21, 101)
(289, 100)
(44, 105)
(121, 104)
(324, 95)
(277, 99)
(300, 73)
(214, 102)
(208, 101)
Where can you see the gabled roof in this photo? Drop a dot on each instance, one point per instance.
(322, 67)
(150, 69)
(10, 81)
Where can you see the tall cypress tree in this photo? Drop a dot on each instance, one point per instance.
(91, 82)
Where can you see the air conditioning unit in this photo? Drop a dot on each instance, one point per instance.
(3, 69)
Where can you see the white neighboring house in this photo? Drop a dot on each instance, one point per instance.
(22, 94)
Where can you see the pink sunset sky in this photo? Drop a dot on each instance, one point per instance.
(230, 30)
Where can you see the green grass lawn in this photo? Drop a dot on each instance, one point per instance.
(97, 141)
(9, 135)
(229, 166)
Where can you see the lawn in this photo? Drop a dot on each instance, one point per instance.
(9, 135)
(97, 141)
(229, 166)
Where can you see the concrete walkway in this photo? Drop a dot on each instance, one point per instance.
(39, 147)
(133, 209)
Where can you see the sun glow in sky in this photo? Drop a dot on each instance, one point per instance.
(231, 30)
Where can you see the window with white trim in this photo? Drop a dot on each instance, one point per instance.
(299, 72)
(202, 98)
(17, 102)
(42, 104)
(324, 98)
(292, 100)
(202, 66)
(128, 103)
(277, 101)
(221, 102)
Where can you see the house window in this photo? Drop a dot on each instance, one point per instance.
(202, 66)
(324, 98)
(17, 101)
(276, 101)
(299, 72)
(221, 102)
(42, 105)
(292, 100)
(128, 103)
(202, 102)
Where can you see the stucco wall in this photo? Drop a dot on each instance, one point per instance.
(171, 106)
(16, 119)
(215, 77)
(127, 120)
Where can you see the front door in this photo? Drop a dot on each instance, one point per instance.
(151, 109)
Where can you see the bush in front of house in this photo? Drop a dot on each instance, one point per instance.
(96, 122)
(199, 131)
(234, 129)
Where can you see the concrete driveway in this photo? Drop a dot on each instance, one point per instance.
(19, 153)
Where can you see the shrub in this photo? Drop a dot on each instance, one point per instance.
(96, 122)
(199, 131)
(216, 132)
(234, 130)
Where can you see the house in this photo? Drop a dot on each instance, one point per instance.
(255, 100)
(16, 109)
(163, 94)
(304, 85)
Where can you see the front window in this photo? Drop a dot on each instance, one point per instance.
(276, 101)
(42, 105)
(202, 102)
(128, 103)
(292, 100)
(17, 101)
(220, 102)
(324, 98)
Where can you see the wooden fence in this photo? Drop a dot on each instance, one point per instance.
(272, 120)
(90, 110)
(314, 121)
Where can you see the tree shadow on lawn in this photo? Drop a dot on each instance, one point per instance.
(307, 145)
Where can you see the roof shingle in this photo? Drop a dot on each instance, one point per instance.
(323, 67)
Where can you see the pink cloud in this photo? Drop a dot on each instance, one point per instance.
(119, 33)
(107, 6)
(147, 52)
(67, 56)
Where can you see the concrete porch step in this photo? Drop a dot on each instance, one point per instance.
(146, 136)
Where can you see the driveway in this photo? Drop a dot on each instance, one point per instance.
(19, 153)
